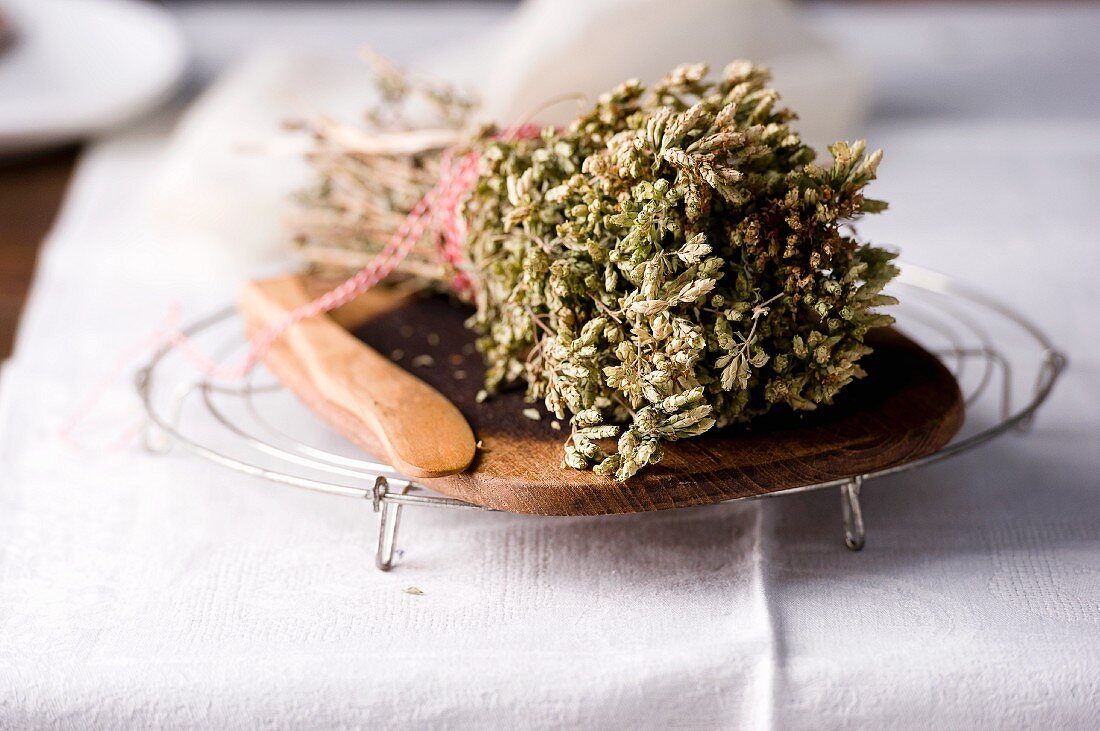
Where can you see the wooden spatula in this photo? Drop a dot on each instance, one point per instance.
(381, 405)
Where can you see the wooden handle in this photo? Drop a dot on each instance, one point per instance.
(422, 432)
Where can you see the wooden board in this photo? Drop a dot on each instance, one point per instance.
(908, 407)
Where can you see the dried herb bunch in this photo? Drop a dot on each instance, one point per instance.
(672, 262)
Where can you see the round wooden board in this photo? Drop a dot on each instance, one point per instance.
(909, 406)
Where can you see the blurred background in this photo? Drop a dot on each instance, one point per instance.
(144, 163)
(212, 76)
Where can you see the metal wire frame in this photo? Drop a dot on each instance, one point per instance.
(953, 312)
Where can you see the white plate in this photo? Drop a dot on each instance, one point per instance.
(79, 67)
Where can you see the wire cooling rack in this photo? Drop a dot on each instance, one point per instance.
(1006, 368)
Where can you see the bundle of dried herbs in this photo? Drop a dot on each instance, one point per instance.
(672, 262)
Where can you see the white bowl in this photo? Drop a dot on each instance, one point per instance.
(79, 67)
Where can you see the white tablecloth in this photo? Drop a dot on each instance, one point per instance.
(142, 591)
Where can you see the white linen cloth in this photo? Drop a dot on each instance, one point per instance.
(142, 591)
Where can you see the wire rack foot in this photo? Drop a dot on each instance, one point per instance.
(854, 534)
(389, 519)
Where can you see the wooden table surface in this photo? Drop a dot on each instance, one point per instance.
(31, 190)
